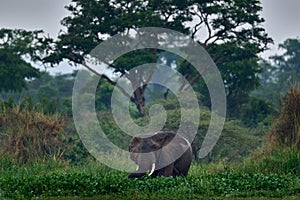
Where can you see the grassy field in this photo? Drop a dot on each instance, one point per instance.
(94, 181)
(28, 171)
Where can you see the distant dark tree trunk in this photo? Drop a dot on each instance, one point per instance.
(139, 100)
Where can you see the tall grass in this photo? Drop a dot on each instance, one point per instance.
(279, 160)
(286, 129)
(27, 135)
(281, 150)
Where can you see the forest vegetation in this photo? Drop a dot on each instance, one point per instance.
(257, 154)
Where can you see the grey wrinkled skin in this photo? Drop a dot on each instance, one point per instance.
(160, 154)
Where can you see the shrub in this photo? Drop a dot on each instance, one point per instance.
(235, 142)
(256, 111)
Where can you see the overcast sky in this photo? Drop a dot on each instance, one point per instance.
(282, 17)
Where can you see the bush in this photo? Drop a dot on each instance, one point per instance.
(235, 142)
(256, 111)
(74, 150)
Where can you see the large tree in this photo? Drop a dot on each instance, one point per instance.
(18, 49)
(232, 33)
(287, 65)
(281, 71)
(230, 30)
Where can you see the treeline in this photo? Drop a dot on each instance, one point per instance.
(52, 94)
(253, 86)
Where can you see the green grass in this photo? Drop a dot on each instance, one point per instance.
(95, 181)
(112, 197)
(277, 160)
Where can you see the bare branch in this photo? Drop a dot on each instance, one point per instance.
(197, 26)
(108, 80)
(208, 26)
(145, 83)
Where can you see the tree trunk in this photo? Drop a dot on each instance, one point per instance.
(138, 99)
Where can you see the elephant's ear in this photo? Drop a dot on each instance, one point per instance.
(184, 143)
(133, 143)
(167, 154)
(162, 138)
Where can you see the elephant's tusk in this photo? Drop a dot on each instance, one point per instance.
(152, 170)
(137, 168)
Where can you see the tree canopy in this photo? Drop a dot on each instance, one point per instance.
(230, 30)
(18, 49)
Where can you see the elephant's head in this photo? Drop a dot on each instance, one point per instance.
(152, 152)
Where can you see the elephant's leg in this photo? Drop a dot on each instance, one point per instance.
(176, 172)
(167, 171)
(182, 165)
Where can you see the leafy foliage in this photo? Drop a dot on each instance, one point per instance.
(92, 179)
(256, 112)
(17, 49)
(236, 140)
(288, 62)
(234, 38)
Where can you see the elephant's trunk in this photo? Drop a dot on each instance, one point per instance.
(146, 163)
(151, 171)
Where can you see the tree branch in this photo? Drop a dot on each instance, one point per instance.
(196, 78)
(196, 27)
(108, 80)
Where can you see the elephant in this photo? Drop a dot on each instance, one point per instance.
(161, 154)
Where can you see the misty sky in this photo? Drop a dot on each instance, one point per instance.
(282, 17)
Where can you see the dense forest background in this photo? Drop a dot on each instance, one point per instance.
(234, 39)
(244, 130)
